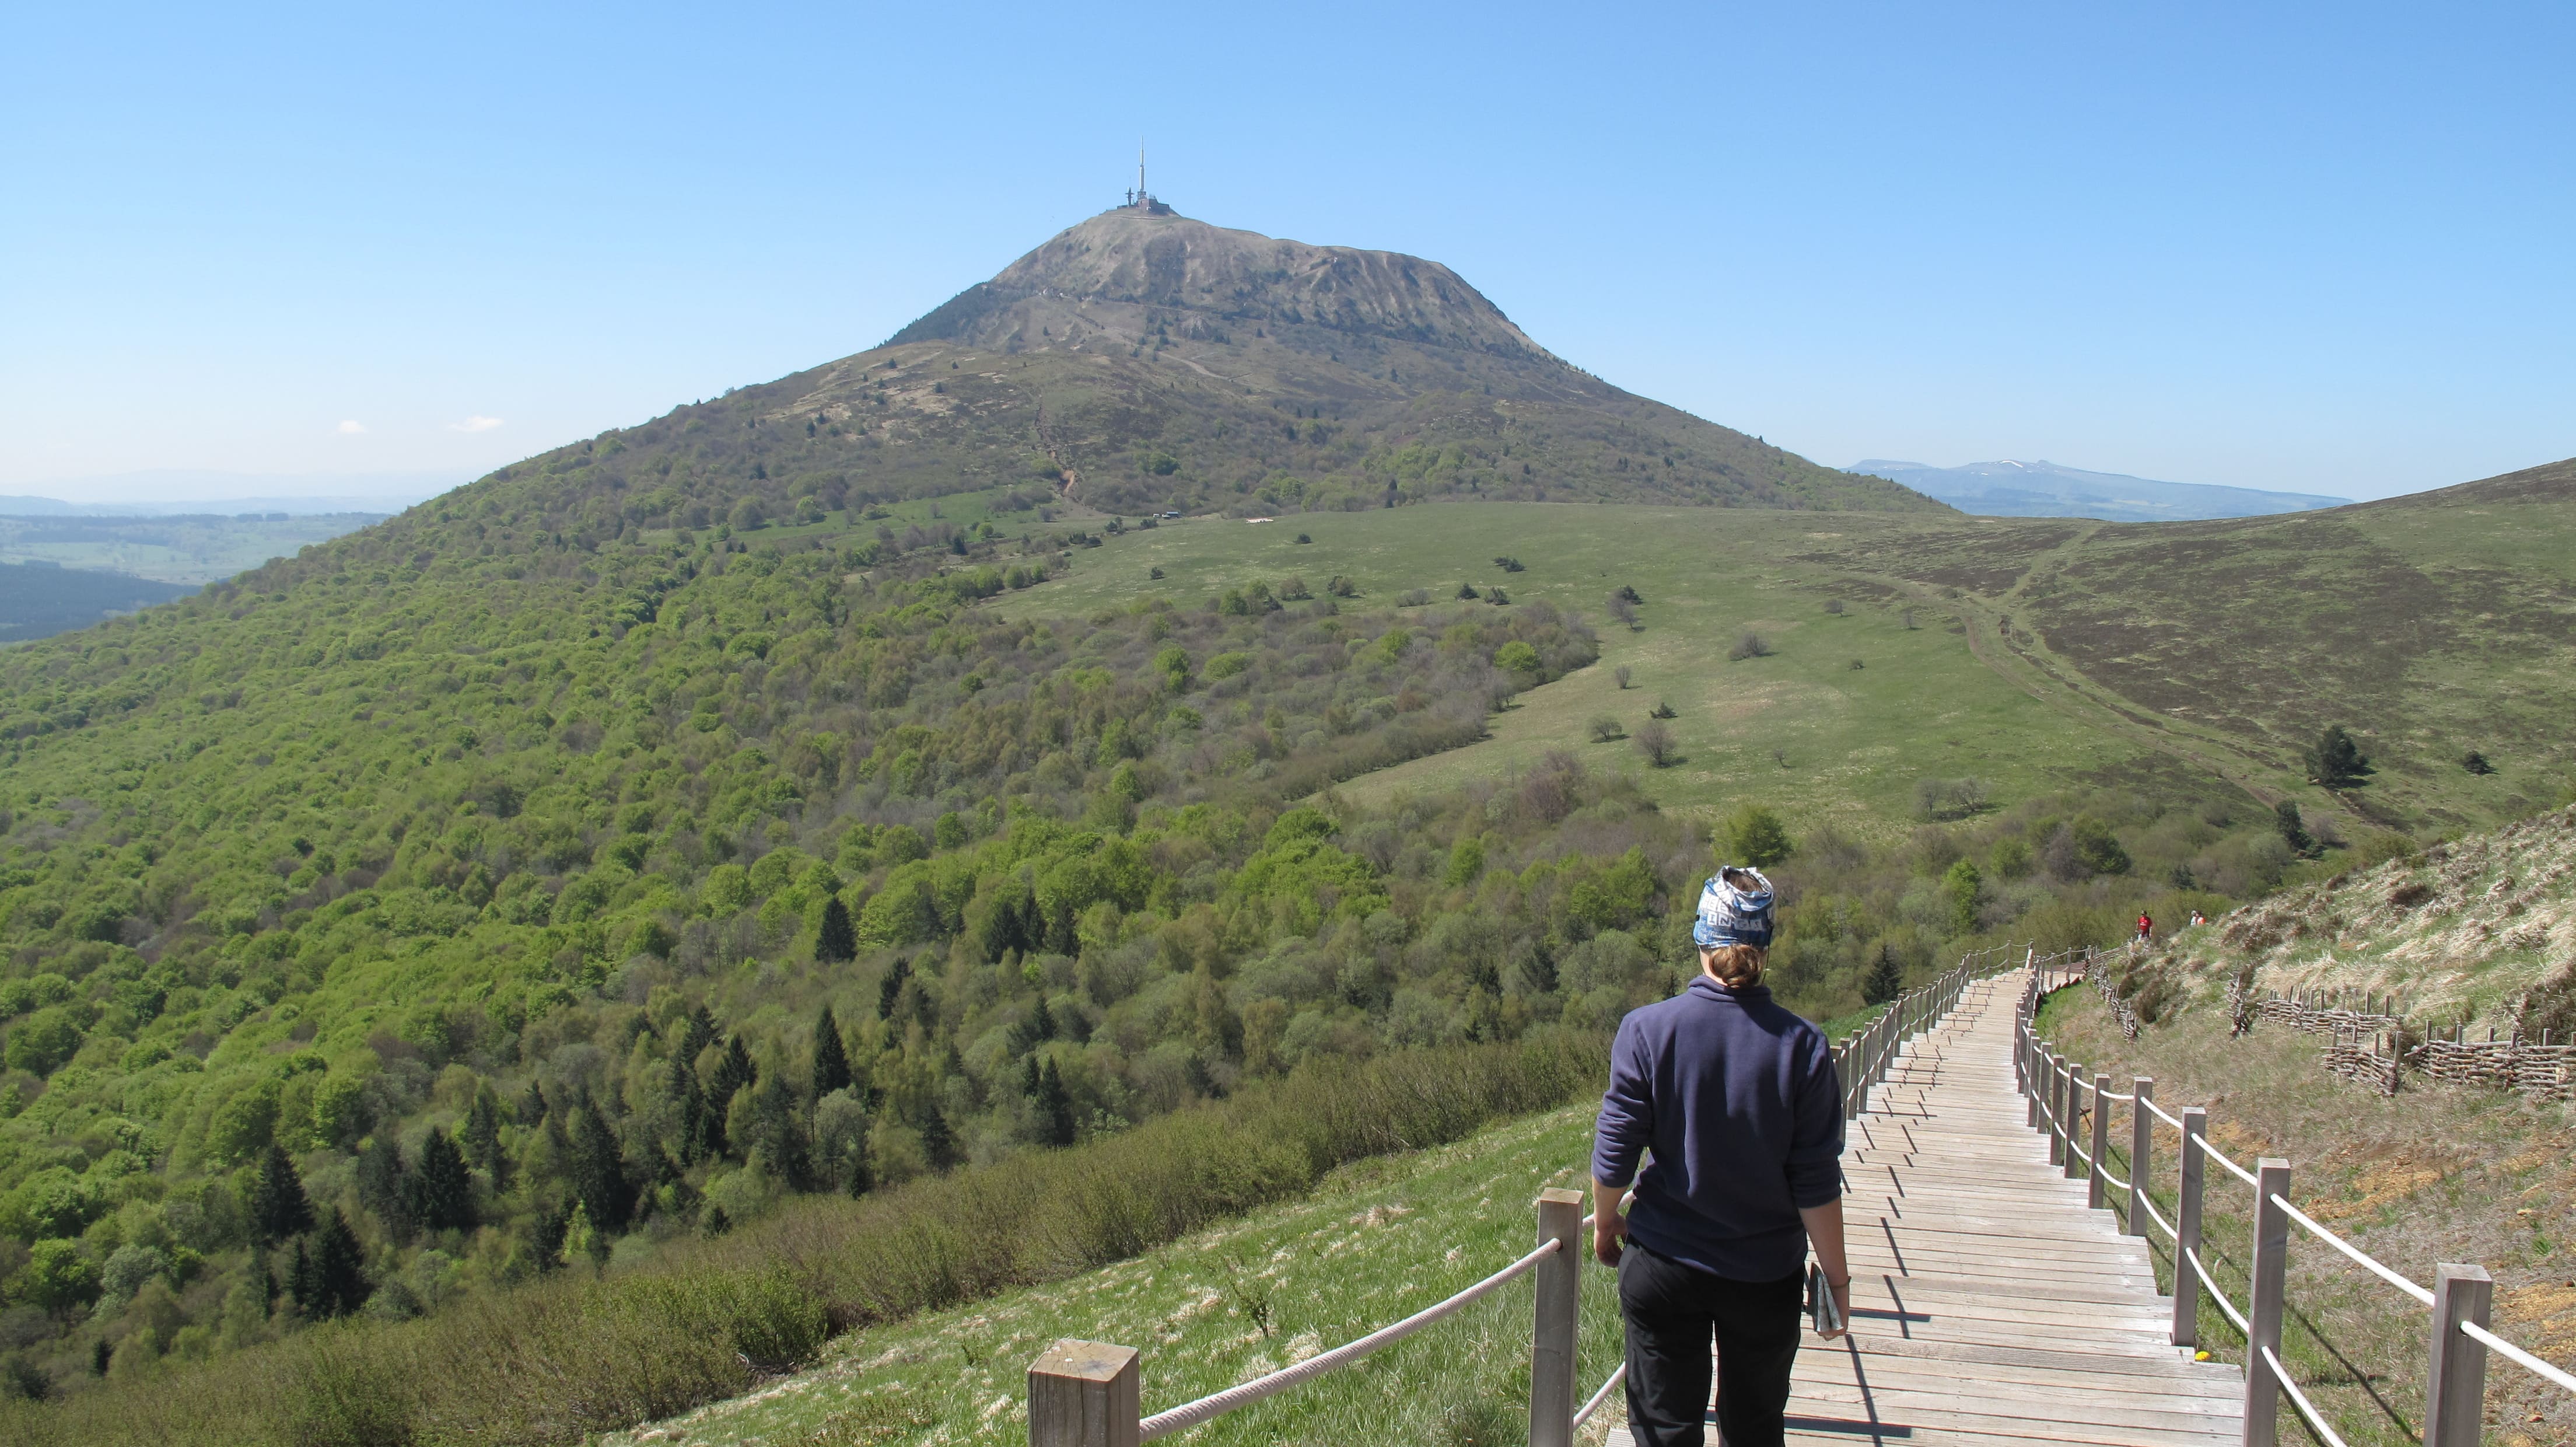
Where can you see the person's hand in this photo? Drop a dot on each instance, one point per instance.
(1609, 1236)
(1842, 1310)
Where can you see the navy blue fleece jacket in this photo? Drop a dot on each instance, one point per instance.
(1738, 1099)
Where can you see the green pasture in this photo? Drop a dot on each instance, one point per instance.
(1801, 730)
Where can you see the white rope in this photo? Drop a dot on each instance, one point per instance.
(2113, 1180)
(2158, 1112)
(2348, 1249)
(2200, 1273)
(2307, 1409)
(2081, 1154)
(2127, 1098)
(2554, 1374)
(1207, 1409)
(1601, 1396)
(2242, 1174)
(2140, 1197)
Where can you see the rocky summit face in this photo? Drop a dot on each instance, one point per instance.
(1226, 279)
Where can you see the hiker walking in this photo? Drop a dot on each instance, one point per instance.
(2146, 928)
(1738, 1101)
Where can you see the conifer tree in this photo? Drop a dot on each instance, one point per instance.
(1041, 1021)
(599, 1169)
(1055, 1107)
(2292, 828)
(301, 1288)
(278, 1206)
(340, 1284)
(697, 1035)
(1886, 978)
(732, 1073)
(384, 1187)
(936, 1142)
(481, 1135)
(892, 986)
(699, 1137)
(580, 1237)
(831, 1060)
(2337, 761)
(837, 943)
(546, 1235)
(442, 1193)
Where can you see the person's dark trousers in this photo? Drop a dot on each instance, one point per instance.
(1673, 1312)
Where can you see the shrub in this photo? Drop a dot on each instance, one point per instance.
(1622, 674)
(1751, 645)
(1755, 836)
(1606, 729)
(1655, 741)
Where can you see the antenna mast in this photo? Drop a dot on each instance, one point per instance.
(1140, 173)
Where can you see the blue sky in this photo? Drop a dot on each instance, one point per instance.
(2322, 249)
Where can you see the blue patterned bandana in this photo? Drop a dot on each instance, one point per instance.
(1734, 913)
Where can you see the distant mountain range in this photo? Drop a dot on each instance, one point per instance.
(2046, 489)
(196, 492)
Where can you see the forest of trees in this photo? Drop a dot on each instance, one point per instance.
(521, 886)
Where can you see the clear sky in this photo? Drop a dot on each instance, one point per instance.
(2328, 248)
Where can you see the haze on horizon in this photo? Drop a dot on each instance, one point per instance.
(2311, 250)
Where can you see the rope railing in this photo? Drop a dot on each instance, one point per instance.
(2460, 1299)
(2226, 1308)
(2300, 1400)
(1086, 1394)
(2556, 1375)
(1209, 1408)
(2361, 1257)
(1599, 1397)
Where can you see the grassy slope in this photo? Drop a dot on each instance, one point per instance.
(1379, 1240)
(2497, 917)
(2049, 651)
(2438, 1173)
(1854, 741)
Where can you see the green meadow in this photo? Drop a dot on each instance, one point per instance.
(1801, 730)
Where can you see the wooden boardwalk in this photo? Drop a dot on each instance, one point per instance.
(1991, 1307)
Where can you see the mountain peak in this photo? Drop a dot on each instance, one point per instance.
(1149, 255)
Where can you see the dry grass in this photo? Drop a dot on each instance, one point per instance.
(2435, 1174)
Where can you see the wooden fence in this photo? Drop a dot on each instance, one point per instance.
(2074, 1105)
(2370, 1043)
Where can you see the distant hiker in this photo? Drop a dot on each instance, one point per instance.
(2197, 918)
(1739, 1102)
(2146, 927)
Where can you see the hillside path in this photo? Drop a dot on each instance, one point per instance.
(1991, 1307)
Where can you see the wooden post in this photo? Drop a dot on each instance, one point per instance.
(2455, 1387)
(2029, 1066)
(2263, 1314)
(1084, 1394)
(2101, 1149)
(1560, 1296)
(2142, 1151)
(2186, 1321)
(2075, 1079)
(2053, 1081)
